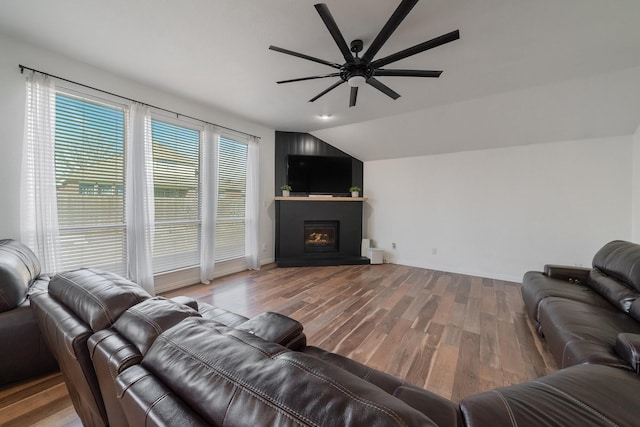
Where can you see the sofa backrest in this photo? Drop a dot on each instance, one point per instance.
(122, 346)
(19, 266)
(77, 304)
(231, 377)
(616, 273)
(96, 297)
(621, 261)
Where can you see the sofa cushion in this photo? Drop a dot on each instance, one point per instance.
(220, 315)
(142, 323)
(617, 293)
(96, 297)
(19, 266)
(583, 333)
(536, 286)
(620, 260)
(268, 385)
(584, 395)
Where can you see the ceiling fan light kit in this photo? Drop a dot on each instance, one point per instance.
(356, 71)
(356, 81)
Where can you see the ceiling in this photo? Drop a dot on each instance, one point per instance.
(515, 60)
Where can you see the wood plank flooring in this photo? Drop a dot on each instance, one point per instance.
(453, 334)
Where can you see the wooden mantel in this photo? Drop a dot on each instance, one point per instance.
(321, 199)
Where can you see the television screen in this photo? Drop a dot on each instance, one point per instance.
(319, 174)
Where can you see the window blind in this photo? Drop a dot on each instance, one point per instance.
(176, 153)
(89, 162)
(232, 184)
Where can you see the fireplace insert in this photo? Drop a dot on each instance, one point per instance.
(321, 236)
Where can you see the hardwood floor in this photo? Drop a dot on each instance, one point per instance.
(450, 333)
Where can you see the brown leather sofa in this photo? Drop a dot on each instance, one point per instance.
(164, 363)
(590, 315)
(23, 352)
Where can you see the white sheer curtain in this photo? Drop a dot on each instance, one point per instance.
(139, 201)
(38, 204)
(209, 201)
(252, 210)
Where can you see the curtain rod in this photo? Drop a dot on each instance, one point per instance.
(23, 67)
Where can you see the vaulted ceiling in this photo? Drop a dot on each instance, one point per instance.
(522, 71)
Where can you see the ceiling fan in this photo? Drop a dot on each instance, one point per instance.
(357, 71)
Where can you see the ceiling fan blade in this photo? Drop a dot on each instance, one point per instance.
(329, 89)
(438, 41)
(394, 21)
(331, 25)
(353, 96)
(383, 88)
(303, 56)
(309, 78)
(407, 73)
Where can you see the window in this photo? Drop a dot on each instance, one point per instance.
(90, 184)
(232, 184)
(89, 160)
(176, 159)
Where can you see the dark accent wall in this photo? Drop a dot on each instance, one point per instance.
(305, 144)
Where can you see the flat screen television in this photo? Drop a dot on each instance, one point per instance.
(319, 174)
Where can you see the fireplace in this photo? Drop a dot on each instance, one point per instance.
(313, 231)
(321, 236)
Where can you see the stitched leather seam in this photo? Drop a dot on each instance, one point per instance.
(143, 317)
(369, 372)
(346, 392)
(512, 418)
(580, 403)
(282, 408)
(89, 294)
(264, 353)
(153, 405)
(123, 362)
(226, 411)
(112, 356)
(134, 382)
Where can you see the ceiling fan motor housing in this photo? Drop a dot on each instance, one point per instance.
(356, 69)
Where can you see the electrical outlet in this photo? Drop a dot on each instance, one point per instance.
(434, 251)
(393, 245)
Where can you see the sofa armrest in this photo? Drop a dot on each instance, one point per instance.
(628, 348)
(188, 301)
(277, 328)
(566, 273)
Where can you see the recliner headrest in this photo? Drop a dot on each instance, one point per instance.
(19, 266)
(142, 323)
(96, 297)
(620, 260)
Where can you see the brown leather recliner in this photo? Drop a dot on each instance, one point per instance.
(75, 305)
(112, 353)
(83, 304)
(23, 351)
(589, 315)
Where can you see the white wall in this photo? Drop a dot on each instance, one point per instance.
(12, 102)
(635, 235)
(498, 213)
